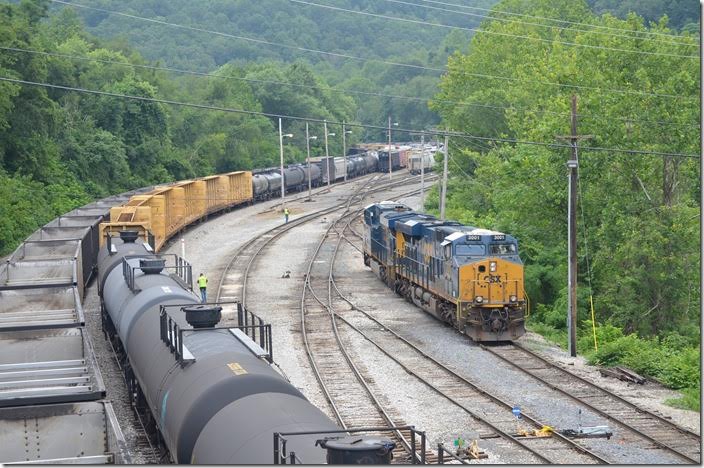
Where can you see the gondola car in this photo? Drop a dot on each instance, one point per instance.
(469, 277)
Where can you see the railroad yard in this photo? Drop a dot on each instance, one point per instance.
(423, 372)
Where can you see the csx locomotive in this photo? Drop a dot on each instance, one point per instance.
(469, 277)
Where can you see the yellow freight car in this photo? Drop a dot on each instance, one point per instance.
(165, 210)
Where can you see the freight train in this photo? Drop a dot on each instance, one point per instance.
(209, 391)
(469, 277)
(49, 378)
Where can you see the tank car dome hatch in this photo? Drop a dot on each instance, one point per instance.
(151, 266)
(203, 316)
(129, 237)
(356, 450)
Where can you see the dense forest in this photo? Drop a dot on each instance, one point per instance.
(638, 216)
(512, 81)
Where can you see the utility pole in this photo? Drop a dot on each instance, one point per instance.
(444, 181)
(701, 118)
(573, 165)
(327, 156)
(344, 148)
(422, 168)
(310, 189)
(281, 155)
(389, 148)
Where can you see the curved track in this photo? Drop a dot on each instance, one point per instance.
(637, 422)
(495, 419)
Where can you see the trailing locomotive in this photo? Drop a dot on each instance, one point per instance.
(209, 391)
(469, 277)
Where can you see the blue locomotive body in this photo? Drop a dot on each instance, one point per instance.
(469, 277)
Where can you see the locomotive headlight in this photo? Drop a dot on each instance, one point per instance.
(513, 298)
(479, 299)
(492, 266)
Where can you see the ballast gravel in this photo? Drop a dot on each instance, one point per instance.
(209, 246)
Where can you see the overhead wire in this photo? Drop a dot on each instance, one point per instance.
(386, 62)
(528, 23)
(348, 124)
(556, 20)
(334, 89)
(495, 33)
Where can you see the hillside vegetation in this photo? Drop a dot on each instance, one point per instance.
(638, 216)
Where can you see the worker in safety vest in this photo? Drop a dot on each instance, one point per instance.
(202, 284)
(285, 215)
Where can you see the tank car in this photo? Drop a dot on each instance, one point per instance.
(211, 394)
(469, 277)
(266, 183)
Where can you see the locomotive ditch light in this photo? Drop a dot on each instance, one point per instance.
(479, 299)
(513, 298)
(492, 266)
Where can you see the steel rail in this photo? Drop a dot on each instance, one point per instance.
(617, 420)
(473, 414)
(279, 230)
(328, 307)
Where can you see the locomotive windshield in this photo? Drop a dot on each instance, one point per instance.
(469, 249)
(502, 249)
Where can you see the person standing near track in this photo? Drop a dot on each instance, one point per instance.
(286, 213)
(202, 284)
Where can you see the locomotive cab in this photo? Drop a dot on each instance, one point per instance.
(491, 300)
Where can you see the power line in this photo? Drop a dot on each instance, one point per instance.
(333, 89)
(348, 124)
(557, 20)
(496, 33)
(386, 62)
(542, 25)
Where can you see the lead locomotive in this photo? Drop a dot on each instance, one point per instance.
(469, 277)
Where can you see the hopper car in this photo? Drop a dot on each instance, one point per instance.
(42, 285)
(469, 277)
(420, 160)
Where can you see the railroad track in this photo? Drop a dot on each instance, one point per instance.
(237, 270)
(663, 434)
(492, 414)
(345, 384)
